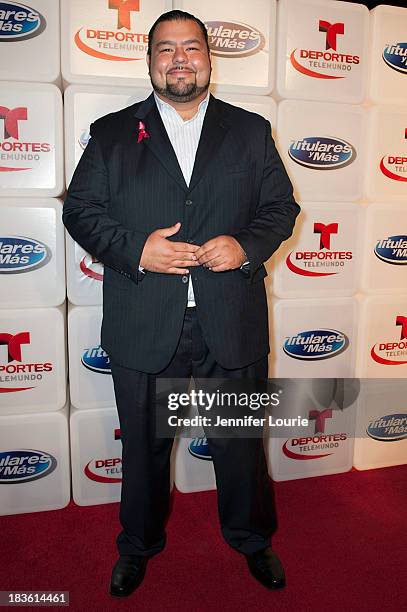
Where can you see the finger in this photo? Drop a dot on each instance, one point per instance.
(179, 263)
(174, 270)
(185, 247)
(209, 244)
(221, 268)
(169, 231)
(208, 257)
(217, 261)
(205, 248)
(184, 255)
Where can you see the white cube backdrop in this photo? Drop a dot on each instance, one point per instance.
(332, 80)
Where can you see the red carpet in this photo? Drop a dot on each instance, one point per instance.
(342, 539)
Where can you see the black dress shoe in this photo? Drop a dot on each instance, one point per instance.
(127, 575)
(266, 567)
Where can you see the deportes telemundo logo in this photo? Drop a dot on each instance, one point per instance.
(318, 445)
(302, 262)
(13, 143)
(21, 254)
(326, 61)
(19, 22)
(90, 266)
(392, 351)
(15, 369)
(119, 42)
(25, 465)
(105, 469)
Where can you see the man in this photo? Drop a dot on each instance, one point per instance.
(183, 198)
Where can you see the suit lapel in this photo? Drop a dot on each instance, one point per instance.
(158, 141)
(213, 132)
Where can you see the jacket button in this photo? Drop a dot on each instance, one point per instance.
(188, 202)
(185, 279)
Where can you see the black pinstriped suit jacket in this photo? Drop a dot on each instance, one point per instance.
(123, 190)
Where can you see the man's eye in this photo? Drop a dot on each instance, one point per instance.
(166, 50)
(192, 49)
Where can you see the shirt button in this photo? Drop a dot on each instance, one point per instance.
(185, 279)
(188, 202)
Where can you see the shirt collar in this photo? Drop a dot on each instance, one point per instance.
(164, 106)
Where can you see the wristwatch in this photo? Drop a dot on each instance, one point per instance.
(245, 268)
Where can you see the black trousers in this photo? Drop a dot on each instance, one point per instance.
(245, 500)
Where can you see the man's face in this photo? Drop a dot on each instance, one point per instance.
(179, 65)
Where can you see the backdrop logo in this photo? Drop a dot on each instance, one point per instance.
(19, 254)
(105, 470)
(316, 344)
(392, 352)
(395, 56)
(25, 465)
(392, 250)
(199, 448)
(91, 267)
(311, 447)
(124, 9)
(322, 152)
(395, 166)
(20, 372)
(118, 43)
(97, 360)
(302, 262)
(11, 117)
(19, 22)
(13, 344)
(324, 62)
(388, 428)
(84, 139)
(233, 39)
(11, 146)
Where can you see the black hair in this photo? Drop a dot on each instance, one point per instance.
(177, 15)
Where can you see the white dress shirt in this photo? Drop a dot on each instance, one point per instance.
(184, 137)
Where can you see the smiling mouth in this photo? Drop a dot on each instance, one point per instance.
(178, 70)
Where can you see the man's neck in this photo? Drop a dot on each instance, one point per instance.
(186, 110)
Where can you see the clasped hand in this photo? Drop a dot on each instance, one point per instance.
(161, 255)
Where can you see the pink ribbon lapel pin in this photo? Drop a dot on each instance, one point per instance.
(142, 132)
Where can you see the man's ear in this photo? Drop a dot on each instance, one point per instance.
(148, 60)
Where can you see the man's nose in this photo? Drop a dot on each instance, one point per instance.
(179, 57)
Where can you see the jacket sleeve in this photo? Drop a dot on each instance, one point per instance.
(275, 213)
(86, 215)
